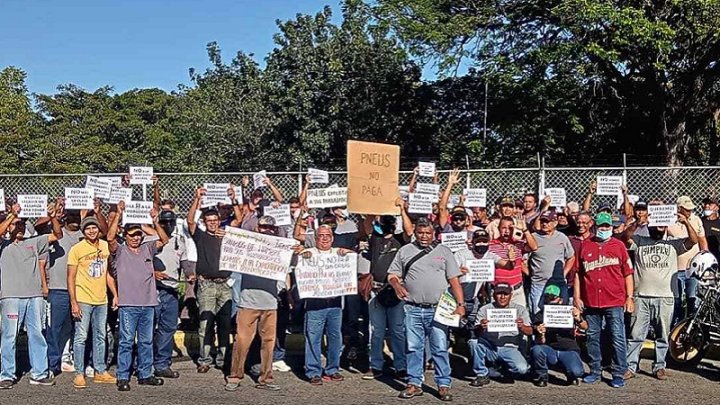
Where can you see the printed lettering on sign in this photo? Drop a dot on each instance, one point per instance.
(2, 200)
(609, 185)
(259, 179)
(326, 275)
(558, 199)
(79, 198)
(281, 214)
(475, 197)
(120, 194)
(444, 311)
(137, 212)
(662, 215)
(420, 203)
(429, 189)
(101, 186)
(141, 175)
(32, 205)
(502, 320)
(479, 270)
(454, 240)
(327, 197)
(318, 176)
(558, 316)
(426, 169)
(215, 193)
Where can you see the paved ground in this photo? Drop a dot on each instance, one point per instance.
(702, 386)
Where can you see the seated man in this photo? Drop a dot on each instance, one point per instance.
(500, 347)
(556, 345)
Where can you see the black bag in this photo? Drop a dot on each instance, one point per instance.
(387, 296)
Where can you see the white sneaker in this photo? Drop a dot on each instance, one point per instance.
(67, 367)
(281, 366)
(89, 372)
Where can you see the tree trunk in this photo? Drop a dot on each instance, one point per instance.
(673, 140)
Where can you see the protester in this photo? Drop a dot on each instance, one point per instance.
(530, 208)
(506, 210)
(711, 225)
(510, 248)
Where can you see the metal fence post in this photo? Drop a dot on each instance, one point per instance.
(541, 176)
(299, 178)
(625, 169)
(467, 177)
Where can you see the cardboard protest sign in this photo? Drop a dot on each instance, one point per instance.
(101, 186)
(137, 212)
(326, 275)
(662, 215)
(215, 193)
(319, 176)
(558, 316)
(420, 203)
(502, 320)
(2, 200)
(609, 185)
(79, 198)
(327, 197)
(475, 197)
(255, 253)
(141, 175)
(118, 194)
(479, 270)
(633, 199)
(444, 311)
(454, 240)
(259, 179)
(426, 169)
(557, 196)
(32, 205)
(281, 214)
(372, 177)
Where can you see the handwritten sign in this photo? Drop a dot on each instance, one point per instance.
(475, 197)
(215, 193)
(101, 186)
(426, 169)
(79, 198)
(479, 271)
(444, 311)
(502, 320)
(420, 203)
(137, 212)
(372, 177)
(326, 275)
(327, 197)
(2, 200)
(558, 198)
(257, 254)
(281, 214)
(621, 200)
(32, 205)
(609, 185)
(454, 240)
(662, 215)
(141, 175)
(118, 194)
(318, 176)
(259, 179)
(558, 316)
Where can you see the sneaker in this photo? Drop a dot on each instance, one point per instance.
(46, 381)
(167, 373)
(628, 375)
(6, 384)
(617, 382)
(540, 382)
(591, 378)
(372, 375)
(266, 386)
(79, 381)
(67, 367)
(152, 381)
(480, 381)
(281, 366)
(104, 378)
(232, 384)
(89, 372)
(661, 374)
(411, 391)
(337, 377)
(123, 385)
(316, 381)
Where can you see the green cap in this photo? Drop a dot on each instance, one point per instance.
(552, 289)
(603, 218)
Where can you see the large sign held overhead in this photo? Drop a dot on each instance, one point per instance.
(372, 177)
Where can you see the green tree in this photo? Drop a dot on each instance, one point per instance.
(16, 121)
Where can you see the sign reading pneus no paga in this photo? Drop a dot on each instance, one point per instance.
(372, 177)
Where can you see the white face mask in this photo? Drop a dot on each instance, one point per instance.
(707, 213)
(296, 214)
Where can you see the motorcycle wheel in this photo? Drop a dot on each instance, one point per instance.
(687, 350)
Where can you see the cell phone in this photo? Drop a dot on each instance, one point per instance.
(517, 234)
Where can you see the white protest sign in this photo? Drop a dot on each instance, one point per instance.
(453, 201)
(120, 194)
(426, 169)
(327, 197)
(137, 212)
(609, 185)
(479, 270)
(404, 192)
(420, 203)
(326, 275)
(633, 199)
(558, 316)
(101, 186)
(318, 176)
(444, 311)
(502, 320)
(116, 181)
(79, 198)
(2, 200)
(454, 240)
(259, 179)
(257, 254)
(141, 175)
(475, 197)
(430, 189)
(558, 198)
(32, 205)
(281, 214)
(215, 193)
(662, 215)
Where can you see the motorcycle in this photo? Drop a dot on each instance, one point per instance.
(691, 337)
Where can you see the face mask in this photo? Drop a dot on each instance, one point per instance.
(296, 214)
(604, 235)
(344, 213)
(655, 234)
(481, 249)
(377, 228)
(707, 213)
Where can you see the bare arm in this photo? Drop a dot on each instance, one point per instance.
(627, 205)
(589, 196)
(456, 289)
(237, 208)
(43, 276)
(159, 229)
(413, 180)
(192, 225)
(100, 217)
(408, 227)
(569, 263)
(276, 193)
(156, 192)
(11, 216)
(113, 229)
(57, 233)
(303, 193)
(443, 214)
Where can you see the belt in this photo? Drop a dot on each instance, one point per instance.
(517, 286)
(214, 279)
(426, 306)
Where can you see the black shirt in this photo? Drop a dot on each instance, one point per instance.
(712, 234)
(208, 255)
(561, 339)
(381, 254)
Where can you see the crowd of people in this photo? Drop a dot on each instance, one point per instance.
(77, 281)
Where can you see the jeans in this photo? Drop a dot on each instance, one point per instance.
(95, 316)
(60, 329)
(484, 351)
(544, 356)
(356, 311)
(394, 320)
(166, 319)
(615, 322)
(329, 321)
(418, 326)
(658, 311)
(135, 322)
(15, 312)
(688, 285)
(215, 306)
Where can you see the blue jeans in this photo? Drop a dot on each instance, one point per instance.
(657, 311)
(615, 322)
(544, 356)
(682, 284)
(484, 351)
(132, 322)
(418, 326)
(317, 322)
(15, 312)
(166, 319)
(394, 320)
(95, 316)
(60, 329)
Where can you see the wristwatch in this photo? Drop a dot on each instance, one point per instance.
(461, 304)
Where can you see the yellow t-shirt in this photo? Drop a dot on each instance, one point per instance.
(91, 275)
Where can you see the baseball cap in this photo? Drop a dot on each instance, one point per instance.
(709, 200)
(552, 289)
(266, 220)
(618, 220)
(132, 228)
(481, 235)
(641, 205)
(549, 215)
(519, 204)
(603, 218)
(87, 221)
(502, 288)
(605, 208)
(685, 202)
(507, 200)
(459, 213)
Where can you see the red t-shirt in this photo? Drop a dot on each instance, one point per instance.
(603, 268)
(514, 276)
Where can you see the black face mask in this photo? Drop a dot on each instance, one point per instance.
(168, 227)
(481, 249)
(387, 229)
(655, 233)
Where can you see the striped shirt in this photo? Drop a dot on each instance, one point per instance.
(514, 276)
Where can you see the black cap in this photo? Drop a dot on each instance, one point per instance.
(641, 205)
(502, 288)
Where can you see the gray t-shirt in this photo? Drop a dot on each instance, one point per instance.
(471, 289)
(551, 250)
(19, 268)
(134, 275)
(655, 264)
(259, 293)
(57, 259)
(507, 339)
(428, 277)
(168, 259)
